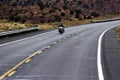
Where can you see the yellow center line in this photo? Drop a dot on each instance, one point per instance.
(27, 61)
(60, 40)
(12, 73)
(12, 70)
(55, 43)
(48, 46)
(39, 52)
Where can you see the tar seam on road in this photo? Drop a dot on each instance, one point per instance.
(99, 61)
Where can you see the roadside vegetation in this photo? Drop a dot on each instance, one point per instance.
(47, 14)
(107, 17)
(118, 33)
(75, 21)
(6, 25)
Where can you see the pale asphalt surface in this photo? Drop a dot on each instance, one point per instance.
(74, 58)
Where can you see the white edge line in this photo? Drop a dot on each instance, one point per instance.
(25, 38)
(99, 62)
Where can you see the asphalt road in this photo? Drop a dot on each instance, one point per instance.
(111, 55)
(74, 58)
(18, 36)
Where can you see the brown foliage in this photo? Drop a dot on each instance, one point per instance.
(40, 11)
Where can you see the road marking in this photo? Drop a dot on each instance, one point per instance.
(48, 47)
(99, 62)
(39, 52)
(64, 38)
(60, 40)
(33, 76)
(55, 43)
(27, 61)
(60, 76)
(12, 73)
(24, 38)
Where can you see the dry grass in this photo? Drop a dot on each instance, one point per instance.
(107, 17)
(118, 33)
(48, 26)
(67, 23)
(74, 21)
(8, 26)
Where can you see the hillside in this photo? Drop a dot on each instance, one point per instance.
(40, 11)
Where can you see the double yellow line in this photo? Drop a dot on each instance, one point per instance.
(13, 70)
(26, 60)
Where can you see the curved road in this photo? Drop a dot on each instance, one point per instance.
(73, 58)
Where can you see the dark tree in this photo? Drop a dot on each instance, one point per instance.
(71, 12)
(62, 14)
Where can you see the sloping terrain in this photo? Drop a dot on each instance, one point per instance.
(55, 10)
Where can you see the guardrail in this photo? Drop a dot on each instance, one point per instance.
(18, 31)
(107, 20)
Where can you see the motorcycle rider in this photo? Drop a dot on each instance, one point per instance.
(61, 25)
(61, 28)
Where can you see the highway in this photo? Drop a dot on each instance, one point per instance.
(72, 57)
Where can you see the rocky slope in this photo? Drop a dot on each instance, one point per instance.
(39, 11)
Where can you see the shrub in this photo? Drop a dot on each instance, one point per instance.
(89, 17)
(14, 18)
(77, 16)
(71, 12)
(78, 11)
(62, 14)
(85, 6)
(41, 5)
(80, 2)
(65, 7)
(95, 14)
(58, 18)
(23, 20)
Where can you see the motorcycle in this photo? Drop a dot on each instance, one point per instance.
(61, 30)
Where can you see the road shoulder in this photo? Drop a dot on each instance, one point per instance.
(110, 55)
(21, 36)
